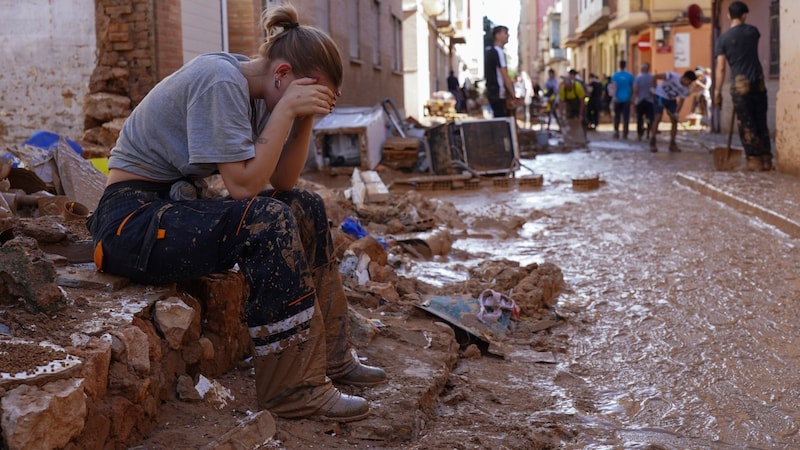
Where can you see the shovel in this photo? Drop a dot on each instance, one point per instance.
(727, 158)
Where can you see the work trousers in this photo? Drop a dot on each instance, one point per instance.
(644, 118)
(296, 311)
(499, 107)
(593, 112)
(751, 105)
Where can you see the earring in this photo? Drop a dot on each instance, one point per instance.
(277, 83)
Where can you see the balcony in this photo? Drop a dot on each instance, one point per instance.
(445, 28)
(593, 19)
(629, 16)
(557, 55)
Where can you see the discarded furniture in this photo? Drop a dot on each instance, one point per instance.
(350, 136)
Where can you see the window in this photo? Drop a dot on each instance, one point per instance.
(355, 29)
(397, 44)
(774, 39)
(376, 45)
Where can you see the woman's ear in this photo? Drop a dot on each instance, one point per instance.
(281, 70)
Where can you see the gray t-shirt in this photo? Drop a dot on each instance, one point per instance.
(193, 119)
(643, 84)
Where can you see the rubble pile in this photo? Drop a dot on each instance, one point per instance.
(109, 354)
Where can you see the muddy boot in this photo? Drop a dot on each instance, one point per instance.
(291, 382)
(343, 365)
(754, 164)
(766, 163)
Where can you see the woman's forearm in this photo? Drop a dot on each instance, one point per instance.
(294, 155)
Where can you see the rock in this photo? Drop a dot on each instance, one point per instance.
(173, 317)
(253, 432)
(44, 418)
(471, 352)
(44, 229)
(206, 348)
(130, 346)
(96, 356)
(104, 107)
(186, 390)
(362, 329)
(27, 274)
(370, 246)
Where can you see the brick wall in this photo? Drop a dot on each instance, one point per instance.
(244, 26)
(168, 37)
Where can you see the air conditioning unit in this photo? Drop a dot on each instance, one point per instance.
(489, 145)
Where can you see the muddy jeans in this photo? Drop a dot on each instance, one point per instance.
(281, 242)
(751, 105)
(644, 117)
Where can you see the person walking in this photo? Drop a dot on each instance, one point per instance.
(670, 93)
(499, 87)
(250, 121)
(623, 90)
(738, 47)
(643, 101)
(595, 102)
(551, 97)
(702, 101)
(571, 96)
(572, 100)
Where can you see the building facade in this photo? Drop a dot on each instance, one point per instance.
(59, 77)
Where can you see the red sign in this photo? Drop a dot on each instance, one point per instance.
(643, 44)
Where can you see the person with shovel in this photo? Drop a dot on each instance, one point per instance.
(670, 95)
(250, 121)
(738, 47)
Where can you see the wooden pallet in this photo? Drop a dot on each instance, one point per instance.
(400, 153)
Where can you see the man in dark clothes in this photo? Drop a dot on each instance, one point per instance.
(455, 89)
(595, 103)
(499, 88)
(739, 47)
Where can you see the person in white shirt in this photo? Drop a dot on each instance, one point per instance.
(499, 87)
(670, 95)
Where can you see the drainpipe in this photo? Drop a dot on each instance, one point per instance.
(716, 10)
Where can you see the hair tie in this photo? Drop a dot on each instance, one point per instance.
(292, 25)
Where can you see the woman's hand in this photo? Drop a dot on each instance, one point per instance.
(306, 97)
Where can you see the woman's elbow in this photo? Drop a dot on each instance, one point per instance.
(242, 191)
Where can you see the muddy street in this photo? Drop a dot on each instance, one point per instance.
(681, 328)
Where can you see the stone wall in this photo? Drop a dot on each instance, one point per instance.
(48, 52)
(125, 70)
(128, 369)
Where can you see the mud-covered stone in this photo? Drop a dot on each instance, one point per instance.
(25, 273)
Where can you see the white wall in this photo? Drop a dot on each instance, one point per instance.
(416, 54)
(202, 26)
(787, 113)
(47, 55)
